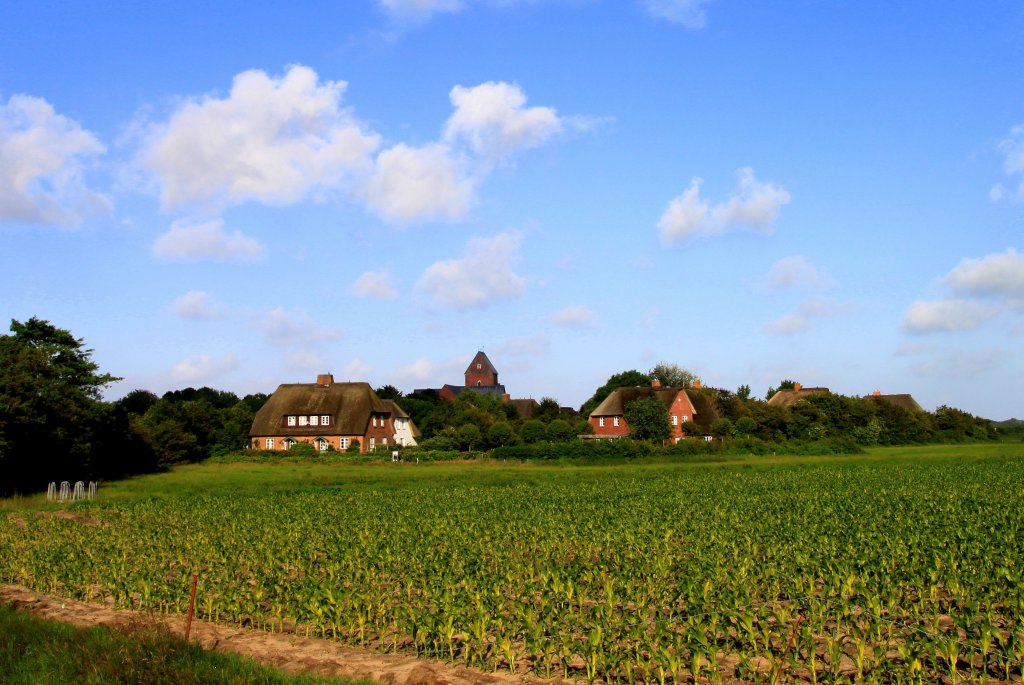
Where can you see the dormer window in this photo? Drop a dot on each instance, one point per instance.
(314, 420)
(303, 420)
(291, 420)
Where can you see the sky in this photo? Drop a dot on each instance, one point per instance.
(244, 194)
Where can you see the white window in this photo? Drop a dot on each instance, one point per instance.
(314, 420)
(479, 366)
(269, 444)
(325, 420)
(303, 420)
(615, 420)
(685, 418)
(321, 444)
(343, 443)
(600, 421)
(291, 420)
(675, 420)
(373, 443)
(383, 441)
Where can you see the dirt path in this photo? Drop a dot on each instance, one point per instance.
(291, 653)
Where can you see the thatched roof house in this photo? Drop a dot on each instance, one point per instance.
(790, 396)
(608, 418)
(326, 414)
(904, 400)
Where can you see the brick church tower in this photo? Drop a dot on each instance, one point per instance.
(480, 372)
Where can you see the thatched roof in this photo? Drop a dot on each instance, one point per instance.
(787, 398)
(399, 413)
(525, 407)
(348, 404)
(706, 409)
(616, 402)
(904, 400)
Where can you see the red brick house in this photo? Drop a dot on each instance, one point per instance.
(609, 421)
(326, 414)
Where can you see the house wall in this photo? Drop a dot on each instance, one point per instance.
(681, 407)
(609, 429)
(480, 377)
(334, 440)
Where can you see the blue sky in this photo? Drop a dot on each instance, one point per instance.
(241, 195)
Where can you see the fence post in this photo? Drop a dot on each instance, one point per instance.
(191, 606)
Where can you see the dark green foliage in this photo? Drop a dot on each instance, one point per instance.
(532, 430)
(547, 410)
(389, 392)
(499, 434)
(625, 379)
(672, 375)
(560, 430)
(723, 428)
(648, 420)
(53, 426)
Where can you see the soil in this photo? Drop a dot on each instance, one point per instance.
(290, 653)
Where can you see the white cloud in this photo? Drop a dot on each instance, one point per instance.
(952, 314)
(293, 328)
(417, 10)
(792, 272)
(800, 320)
(573, 317)
(529, 347)
(493, 120)
(995, 275)
(199, 305)
(207, 240)
(481, 277)
(356, 370)
(425, 370)
(272, 140)
(202, 368)
(688, 13)
(41, 157)
(410, 183)
(375, 284)
(305, 359)
(754, 206)
(1013, 165)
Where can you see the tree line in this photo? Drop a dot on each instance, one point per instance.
(54, 424)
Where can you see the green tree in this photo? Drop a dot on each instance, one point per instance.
(722, 428)
(648, 419)
(560, 430)
(469, 436)
(625, 379)
(50, 413)
(743, 392)
(547, 410)
(500, 433)
(388, 392)
(532, 430)
(746, 425)
(672, 375)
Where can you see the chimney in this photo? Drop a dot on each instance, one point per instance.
(876, 393)
(797, 386)
(697, 385)
(655, 383)
(324, 379)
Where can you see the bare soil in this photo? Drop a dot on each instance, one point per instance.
(290, 653)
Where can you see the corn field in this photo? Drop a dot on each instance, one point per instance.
(865, 571)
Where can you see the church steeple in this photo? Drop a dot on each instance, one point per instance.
(480, 372)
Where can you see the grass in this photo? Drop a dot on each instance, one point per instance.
(34, 651)
(219, 478)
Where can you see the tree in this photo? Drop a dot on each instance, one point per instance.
(547, 410)
(388, 392)
(743, 392)
(648, 419)
(783, 385)
(672, 375)
(49, 415)
(746, 425)
(625, 379)
(500, 433)
(532, 430)
(722, 428)
(560, 430)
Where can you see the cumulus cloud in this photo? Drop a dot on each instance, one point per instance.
(293, 327)
(793, 272)
(688, 13)
(1013, 165)
(754, 206)
(494, 121)
(573, 317)
(199, 305)
(425, 370)
(272, 140)
(411, 183)
(203, 368)
(999, 275)
(375, 284)
(800, 320)
(980, 289)
(187, 241)
(953, 314)
(482, 276)
(41, 162)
